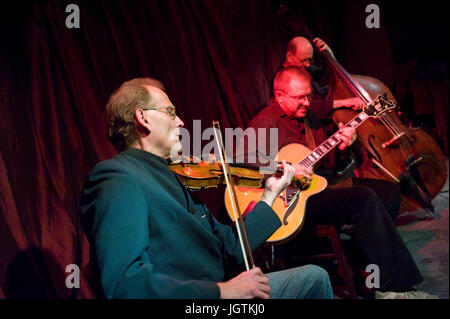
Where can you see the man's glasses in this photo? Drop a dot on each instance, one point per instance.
(166, 109)
(299, 99)
(310, 60)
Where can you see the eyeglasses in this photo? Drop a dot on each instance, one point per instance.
(299, 99)
(310, 60)
(170, 109)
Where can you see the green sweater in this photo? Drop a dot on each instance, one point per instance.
(150, 239)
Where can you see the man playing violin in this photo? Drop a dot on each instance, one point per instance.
(150, 238)
(374, 233)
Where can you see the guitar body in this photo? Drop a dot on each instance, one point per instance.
(290, 205)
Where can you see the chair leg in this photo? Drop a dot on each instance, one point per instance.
(344, 269)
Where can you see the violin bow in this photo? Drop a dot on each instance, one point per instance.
(233, 199)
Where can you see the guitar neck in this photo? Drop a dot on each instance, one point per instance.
(333, 141)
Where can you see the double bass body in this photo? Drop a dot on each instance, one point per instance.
(408, 156)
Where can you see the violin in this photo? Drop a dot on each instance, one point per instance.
(199, 175)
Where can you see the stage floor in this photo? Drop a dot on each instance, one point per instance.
(427, 240)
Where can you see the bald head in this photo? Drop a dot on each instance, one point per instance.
(287, 75)
(292, 91)
(298, 43)
(299, 52)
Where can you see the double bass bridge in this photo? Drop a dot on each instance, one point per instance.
(394, 141)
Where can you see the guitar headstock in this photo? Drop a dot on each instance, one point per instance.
(379, 106)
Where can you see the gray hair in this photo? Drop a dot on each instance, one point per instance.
(119, 112)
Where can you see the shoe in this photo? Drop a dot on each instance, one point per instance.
(404, 295)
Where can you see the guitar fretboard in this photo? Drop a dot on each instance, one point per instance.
(323, 149)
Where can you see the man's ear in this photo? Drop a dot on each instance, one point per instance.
(143, 121)
(278, 97)
(289, 56)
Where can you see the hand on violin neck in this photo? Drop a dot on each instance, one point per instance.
(303, 176)
(303, 171)
(274, 185)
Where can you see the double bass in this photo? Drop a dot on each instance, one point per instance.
(391, 150)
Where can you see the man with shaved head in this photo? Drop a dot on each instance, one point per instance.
(299, 52)
(151, 238)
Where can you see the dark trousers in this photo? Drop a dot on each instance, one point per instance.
(371, 207)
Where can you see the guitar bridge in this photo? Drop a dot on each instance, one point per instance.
(290, 193)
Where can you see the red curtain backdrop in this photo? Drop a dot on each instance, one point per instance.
(216, 59)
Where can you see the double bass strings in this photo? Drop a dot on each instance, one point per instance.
(395, 130)
(387, 124)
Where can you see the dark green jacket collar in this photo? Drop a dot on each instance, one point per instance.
(147, 157)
